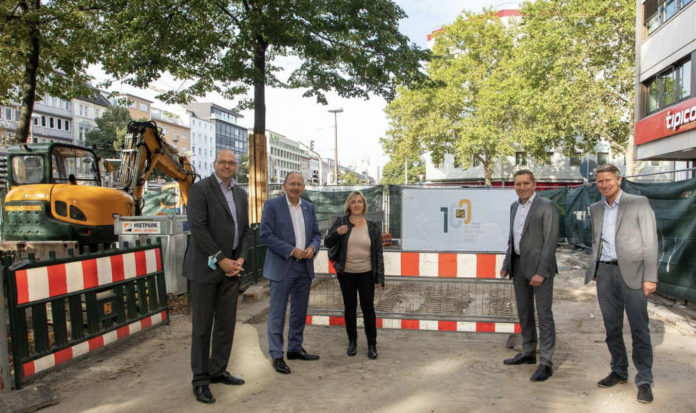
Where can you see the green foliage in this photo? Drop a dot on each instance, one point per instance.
(65, 30)
(393, 171)
(468, 108)
(576, 60)
(110, 132)
(561, 79)
(351, 47)
(243, 169)
(350, 178)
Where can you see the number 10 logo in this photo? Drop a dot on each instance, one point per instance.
(463, 212)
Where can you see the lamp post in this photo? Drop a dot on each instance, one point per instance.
(336, 112)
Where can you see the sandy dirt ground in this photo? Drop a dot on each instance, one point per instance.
(417, 371)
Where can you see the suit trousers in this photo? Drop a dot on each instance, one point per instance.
(525, 296)
(296, 286)
(614, 298)
(218, 303)
(353, 285)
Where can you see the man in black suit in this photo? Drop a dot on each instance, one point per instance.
(220, 236)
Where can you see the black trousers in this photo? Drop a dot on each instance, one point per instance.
(352, 285)
(214, 308)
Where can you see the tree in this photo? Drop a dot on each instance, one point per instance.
(243, 169)
(576, 59)
(111, 129)
(350, 178)
(469, 107)
(393, 171)
(44, 48)
(351, 47)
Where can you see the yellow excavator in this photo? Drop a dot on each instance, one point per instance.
(55, 190)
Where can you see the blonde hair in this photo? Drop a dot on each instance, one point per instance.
(351, 197)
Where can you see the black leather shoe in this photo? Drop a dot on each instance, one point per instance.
(542, 373)
(644, 393)
(520, 359)
(351, 348)
(302, 355)
(280, 366)
(611, 380)
(203, 394)
(227, 378)
(372, 351)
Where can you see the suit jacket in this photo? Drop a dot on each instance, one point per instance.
(635, 242)
(212, 228)
(277, 234)
(538, 242)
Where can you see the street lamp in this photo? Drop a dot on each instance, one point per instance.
(336, 112)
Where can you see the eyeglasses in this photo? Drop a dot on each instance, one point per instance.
(226, 163)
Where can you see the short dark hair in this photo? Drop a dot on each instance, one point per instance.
(290, 173)
(524, 172)
(607, 167)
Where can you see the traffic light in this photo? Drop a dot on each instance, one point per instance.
(315, 177)
(311, 145)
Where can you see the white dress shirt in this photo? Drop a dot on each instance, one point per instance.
(298, 224)
(518, 224)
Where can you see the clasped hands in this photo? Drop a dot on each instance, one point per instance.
(232, 268)
(305, 254)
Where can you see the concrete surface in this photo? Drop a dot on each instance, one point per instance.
(417, 371)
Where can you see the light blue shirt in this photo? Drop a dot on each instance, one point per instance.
(228, 193)
(518, 223)
(609, 229)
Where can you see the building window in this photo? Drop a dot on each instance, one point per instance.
(67, 125)
(50, 123)
(669, 87)
(575, 160)
(16, 113)
(654, 163)
(657, 12)
(602, 158)
(43, 121)
(59, 123)
(520, 158)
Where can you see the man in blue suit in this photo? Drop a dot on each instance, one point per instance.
(290, 233)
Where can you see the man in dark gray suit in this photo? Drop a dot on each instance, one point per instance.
(531, 262)
(220, 235)
(624, 263)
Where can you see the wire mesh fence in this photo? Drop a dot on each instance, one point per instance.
(459, 299)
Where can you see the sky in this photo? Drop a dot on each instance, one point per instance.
(362, 122)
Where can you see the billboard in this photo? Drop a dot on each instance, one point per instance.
(456, 219)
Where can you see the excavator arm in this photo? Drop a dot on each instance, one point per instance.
(143, 151)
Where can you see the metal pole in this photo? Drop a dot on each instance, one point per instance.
(336, 112)
(405, 171)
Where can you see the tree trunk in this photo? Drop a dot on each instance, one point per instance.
(258, 153)
(260, 86)
(31, 70)
(488, 168)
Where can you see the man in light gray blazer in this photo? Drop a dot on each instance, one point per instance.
(624, 264)
(531, 262)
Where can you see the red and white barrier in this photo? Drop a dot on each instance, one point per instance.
(429, 264)
(59, 357)
(416, 324)
(54, 280)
